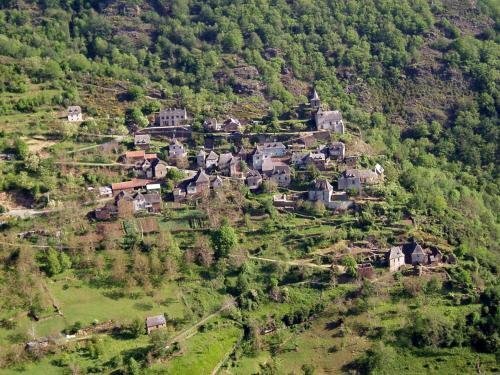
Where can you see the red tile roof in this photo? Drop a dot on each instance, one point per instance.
(132, 184)
(135, 154)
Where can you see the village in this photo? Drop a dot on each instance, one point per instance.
(269, 166)
(313, 173)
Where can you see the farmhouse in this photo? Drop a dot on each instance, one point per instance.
(126, 204)
(171, 117)
(281, 175)
(155, 322)
(321, 190)
(129, 186)
(396, 258)
(267, 150)
(355, 178)
(231, 125)
(229, 165)
(329, 120)
(336, 151)
(415, 254)
(75, 113)
(200, 158)
(193, 187)
(212, 125)
(212, 160)
(133, 157)
(317, 159)
(253, 179)
(176, 150)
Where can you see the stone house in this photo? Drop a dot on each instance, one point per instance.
(321, 190)
(355, 178)
(75, 113)
(142, 141)
(212, 160)
(281, 175)
(200, 158)
(419, 256)
(176, 150)
(253, 179)
(229, 165)
(212, 125)
(415, 254)
(153, 202)
(172, 117)
(265, 151)
(155, 322)
(435, 256)
(317, 159)
(151, 169)
(396, 258)
(336, 151)
(307, 141)
(193, 187)
(231, 125)
(329, 120)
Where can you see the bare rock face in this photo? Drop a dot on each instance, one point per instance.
(270, 53)
(246, 72)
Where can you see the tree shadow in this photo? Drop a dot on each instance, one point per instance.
(143, 306)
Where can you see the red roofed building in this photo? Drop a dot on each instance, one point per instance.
(129, 186)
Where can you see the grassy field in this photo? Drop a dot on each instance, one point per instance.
(201, 353)
(80, 302)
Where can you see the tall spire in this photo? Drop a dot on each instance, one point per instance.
(315, 95)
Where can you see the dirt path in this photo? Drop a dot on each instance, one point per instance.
(300, 262)
(118, 138)
(24, 213)
(188, 332)
(226, 357)
(89, 164)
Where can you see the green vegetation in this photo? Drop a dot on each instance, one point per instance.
(246, 287)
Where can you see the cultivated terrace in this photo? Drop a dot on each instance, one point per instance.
(249, 187)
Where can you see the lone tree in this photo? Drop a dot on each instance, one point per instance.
(223, 240)
(351, 265)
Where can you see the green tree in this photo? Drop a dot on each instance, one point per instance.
(349, 262)
(135, 93)
(223, 240)
(136, 327)
(21, 148)
(159, 342)
(133, 367)
(53, 266)
(64, 261)
(232, 40)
